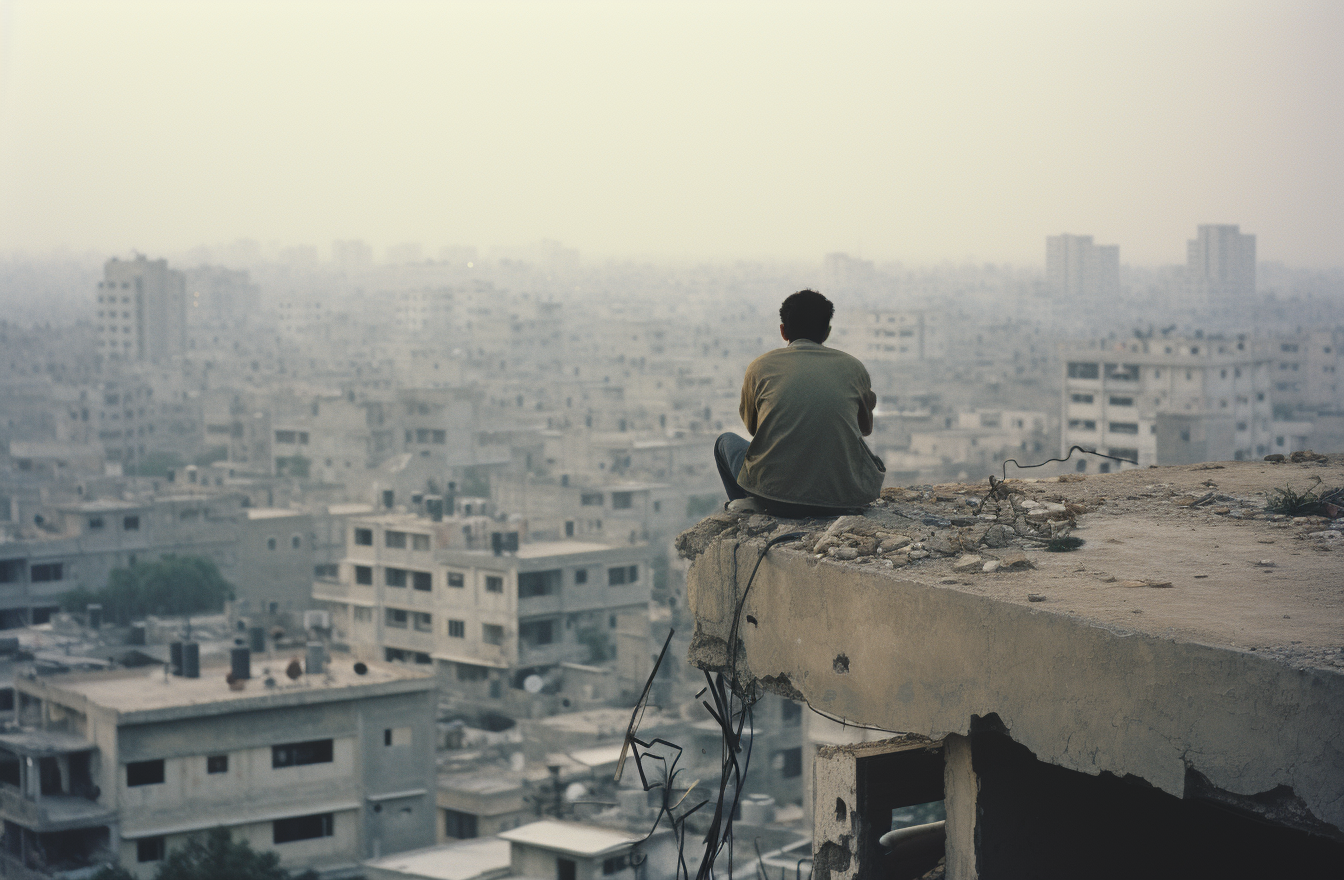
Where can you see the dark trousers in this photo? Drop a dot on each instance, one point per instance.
(730, 451)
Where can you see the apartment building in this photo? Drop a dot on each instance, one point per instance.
(1305, 368)
(489, 617)
(1220, 265)
(78, 545)
(141, 310)
(326, 767)
(891, 336)
(1080, 271)
(1166, 401)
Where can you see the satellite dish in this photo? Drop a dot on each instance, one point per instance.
(533, 684)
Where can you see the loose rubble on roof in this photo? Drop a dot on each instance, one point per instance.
(989, 526)
(1196, 531)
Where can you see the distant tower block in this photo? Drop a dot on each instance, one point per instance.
(1220, 264)
(142, 310)
(1078, 269)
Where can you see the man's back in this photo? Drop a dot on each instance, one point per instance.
(802, 406)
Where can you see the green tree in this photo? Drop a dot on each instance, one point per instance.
(216, 856)
(213, 856)
(170, 585)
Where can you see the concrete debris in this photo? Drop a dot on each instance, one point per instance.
(992, 565)
(1035, 597)
(1306, 455)
(967, 563)
(1017, 561)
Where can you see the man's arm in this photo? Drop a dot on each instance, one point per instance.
(866, 406)
(747, 407)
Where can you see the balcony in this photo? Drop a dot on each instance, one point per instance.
(52, 812)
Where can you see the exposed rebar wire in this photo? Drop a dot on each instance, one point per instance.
(1066, 457)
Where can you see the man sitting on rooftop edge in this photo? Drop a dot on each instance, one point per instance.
(808, 408)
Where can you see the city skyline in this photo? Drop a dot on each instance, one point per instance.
(672, 132)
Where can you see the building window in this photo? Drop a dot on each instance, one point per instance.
(364, 537)
(144, 773)
(423, 622)
(130, 523)
(396, 736)
(538, 583)
(301, 828)
(395, 540)
(95, 522)
(1121, 401)
(459, 825)
(217, 764)
(790, 762)
(494, 583)
(591, 499)
(394, 577)
(270, 543)
(1084, 371)
(581, 576)
(1082, 424)
(622, 500)
(149, 849)
(1121, 452)
(419, 542)
(457, 629)
(791, 713)
(395, 617)
(363, 615)
(537, 632)
(492, 634)
(47, 571)
(295, 542)
(1081, 398)
(626, 574)
(313, 751)
(456, 579)
(364, 575)
(615, 864)
(421, 580)
(1123, 427)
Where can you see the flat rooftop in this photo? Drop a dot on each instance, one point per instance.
(571, 837)
(147, 692)
(1178, 552)
(452, 861)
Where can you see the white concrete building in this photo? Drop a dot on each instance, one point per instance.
(141, 310)
(487, 615)
(1166, 401)
(325, 769)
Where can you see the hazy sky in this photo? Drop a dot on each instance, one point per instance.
(911, 131)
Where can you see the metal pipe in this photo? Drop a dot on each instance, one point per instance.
(914, 836)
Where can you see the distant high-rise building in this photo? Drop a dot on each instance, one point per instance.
(1077, 268)
(1220, 263)
(142, 310)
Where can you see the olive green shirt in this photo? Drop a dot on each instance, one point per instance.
(801, 405)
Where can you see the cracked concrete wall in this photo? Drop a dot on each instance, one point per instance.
(927, 660)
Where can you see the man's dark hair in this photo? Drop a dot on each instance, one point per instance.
(807, 315)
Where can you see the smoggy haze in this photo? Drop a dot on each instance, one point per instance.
(895, 131)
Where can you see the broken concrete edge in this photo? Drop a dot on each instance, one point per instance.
(1114, 686)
